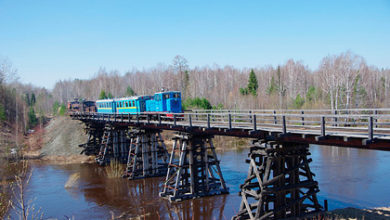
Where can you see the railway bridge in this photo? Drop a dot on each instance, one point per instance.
(279, 184)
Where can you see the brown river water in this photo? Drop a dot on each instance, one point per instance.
(347, 177)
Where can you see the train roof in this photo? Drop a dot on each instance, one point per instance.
(166, 92)
(132, 97)
(105, 100)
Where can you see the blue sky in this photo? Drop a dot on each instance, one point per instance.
(51, 40)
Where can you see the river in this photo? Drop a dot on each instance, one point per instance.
(347, 177)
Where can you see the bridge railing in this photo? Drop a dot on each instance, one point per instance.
(362, 111)
(357, 122)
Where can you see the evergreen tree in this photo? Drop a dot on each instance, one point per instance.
(130, 91)
(56, 107)
(27, 99)
(33, 100)
(32, 118)
(252, 83)
(110, 96)
(298, 102)
(2, 113)
(244, 91)
(102, 94)
(62, 110)
(272, 88)
(311, 94)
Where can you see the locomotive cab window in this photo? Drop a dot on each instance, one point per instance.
(166, 96)
(176, 95)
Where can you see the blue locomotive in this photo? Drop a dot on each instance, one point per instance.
(160, 102)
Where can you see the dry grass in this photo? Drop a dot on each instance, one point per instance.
(115, 169)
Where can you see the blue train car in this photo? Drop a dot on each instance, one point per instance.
(132, 105)
(161, 102)
(106, 106)
(165, 102)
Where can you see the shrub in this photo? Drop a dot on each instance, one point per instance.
(197, 103)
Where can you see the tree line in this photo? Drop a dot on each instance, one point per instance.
(340, 81)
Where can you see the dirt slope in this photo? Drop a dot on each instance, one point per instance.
(63, 136)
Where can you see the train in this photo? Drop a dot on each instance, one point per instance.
(83, 106)
(161, 102)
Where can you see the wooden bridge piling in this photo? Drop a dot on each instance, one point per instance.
(196, 173)
(147, 156)
(279, 182)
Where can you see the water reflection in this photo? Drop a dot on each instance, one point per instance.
(351, 176)
(139, 198)
(347, 177)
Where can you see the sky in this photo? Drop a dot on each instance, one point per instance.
(47, 41)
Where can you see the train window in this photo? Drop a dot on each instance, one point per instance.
(166, 96)
(158, 97)
(133, 103)
(176, 95)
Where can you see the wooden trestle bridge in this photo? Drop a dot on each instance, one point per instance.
(279, 182)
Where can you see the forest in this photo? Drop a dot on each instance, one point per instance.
(340, 81)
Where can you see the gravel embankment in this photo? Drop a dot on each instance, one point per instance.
(62, 137)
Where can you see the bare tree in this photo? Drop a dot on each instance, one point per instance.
(181, 66)
(24, 208)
